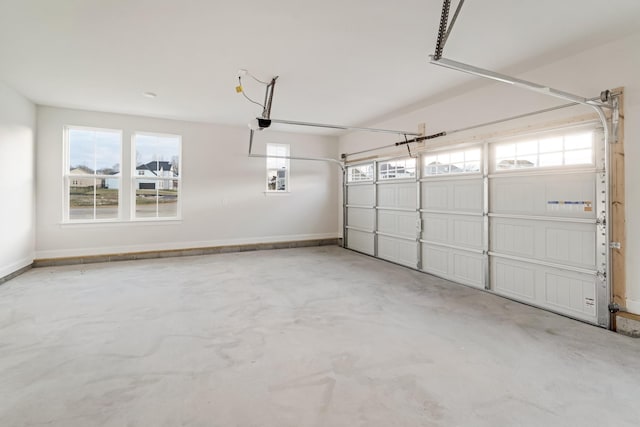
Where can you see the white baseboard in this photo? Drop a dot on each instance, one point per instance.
(15, 266)
(633, 306)
(111, 250)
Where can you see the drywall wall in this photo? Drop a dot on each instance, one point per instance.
(17, 181)
(223, 191)
(586, 73)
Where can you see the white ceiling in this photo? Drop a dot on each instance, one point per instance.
(339, 61)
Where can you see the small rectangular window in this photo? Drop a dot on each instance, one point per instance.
(397, 169)
(453, 162)
(571, 149)
(156, 177)
(92, 174)
(360, 173)
(278, 167)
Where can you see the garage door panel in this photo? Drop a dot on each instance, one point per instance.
(457, 265)
(397, 223)
(571, 244)
(468, 269)
(575, 247)
(567, 292)
(397, 250)
(570, 195)
(467, 196)
(575, 293)
(435, 260)
(361, 218)
(456, 230)
(461, 195)
(360, 241)
(514, 279)
(435, 228)
(361, 195)
(397, 195)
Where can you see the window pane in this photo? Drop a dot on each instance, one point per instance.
(157, 174)
(527, 147)
(81, 197)
(157, 156)
(549, 145)
(360, 173)
(92, 151)
(107, 203)
(397, 169)
(156, 199)
(580, 140)
(277, 168)
(551, 159)
(578, 157)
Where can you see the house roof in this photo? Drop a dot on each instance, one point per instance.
(156, 165)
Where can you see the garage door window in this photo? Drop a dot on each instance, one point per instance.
(568, 149)
(454, 162)
(397, 169)
(360, 173)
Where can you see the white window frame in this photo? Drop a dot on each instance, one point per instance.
(446, 169)
(135, 177)
(361, 177)
(280, 160)
(537, 137)
(68, 179)
(385, 176)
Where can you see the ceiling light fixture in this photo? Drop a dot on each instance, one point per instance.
(150, 94)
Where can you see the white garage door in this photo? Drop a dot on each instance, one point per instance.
(545, 200)
(382, 210)
(361, 212)
(452, 212)
(523, 218)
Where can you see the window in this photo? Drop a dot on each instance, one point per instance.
(397, 169)
(454, 162)
(92, 174)
(156, 176)
(360, 173)
(277, 167)
(546, 151)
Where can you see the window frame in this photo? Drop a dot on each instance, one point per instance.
(370, 166)
(287, 162)
(378, 171)
(537, 137)
(67, 178)
(449, 172)
(135, 177)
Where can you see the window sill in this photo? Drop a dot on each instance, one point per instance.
(121, 223)
(281, 193)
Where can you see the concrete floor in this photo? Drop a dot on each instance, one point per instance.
(297, 337)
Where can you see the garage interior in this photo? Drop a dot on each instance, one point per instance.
(419, 213)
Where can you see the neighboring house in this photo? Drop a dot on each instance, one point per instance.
(436, 168)
(158, 172)
(113, 183)
(388, 171)
(514, 164)
(77, 180)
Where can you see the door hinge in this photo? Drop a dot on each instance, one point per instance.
(601, 221)
(614, 245)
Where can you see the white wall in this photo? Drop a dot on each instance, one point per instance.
(587, 73)
(17, 181)
(223, 197)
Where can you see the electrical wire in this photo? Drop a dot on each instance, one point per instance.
(245, 95)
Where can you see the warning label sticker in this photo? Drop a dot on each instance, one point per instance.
(569, 205)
